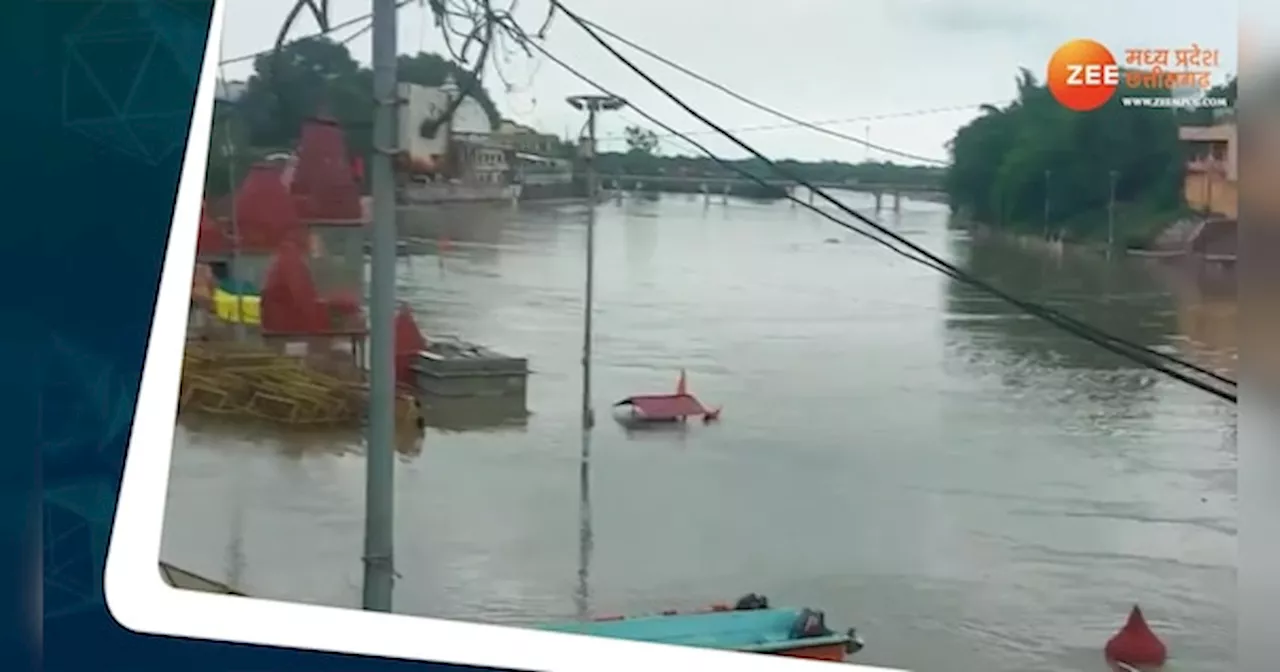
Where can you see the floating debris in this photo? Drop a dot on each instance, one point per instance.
(228, 379)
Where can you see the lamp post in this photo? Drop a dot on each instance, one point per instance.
(227, 103)
(592, 104)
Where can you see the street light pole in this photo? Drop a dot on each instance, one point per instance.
(585, 540)
(237, 282)
(592, 104)
(1111, 215)
(379, 568)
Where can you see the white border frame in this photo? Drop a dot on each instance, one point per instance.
(140, 600)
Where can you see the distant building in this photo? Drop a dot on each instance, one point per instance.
(526, 140)
(533, 170)
(1211, 173)
(469, 122)
(460, 159)
(481, 161)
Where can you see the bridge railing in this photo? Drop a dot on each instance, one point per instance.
(722, 181)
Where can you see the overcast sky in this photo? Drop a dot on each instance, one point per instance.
(818, 60)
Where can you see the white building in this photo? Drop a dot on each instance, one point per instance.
(470, 123)
(475, 165)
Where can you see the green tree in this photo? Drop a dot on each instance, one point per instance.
(1009, 162)
(314, 75)
(306, 77)
(641, 140)
(228, 159)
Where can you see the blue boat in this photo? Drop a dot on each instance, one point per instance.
(757, 628)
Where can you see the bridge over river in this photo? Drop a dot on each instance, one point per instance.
(719, 184)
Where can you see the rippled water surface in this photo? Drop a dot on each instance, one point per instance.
(971, 488)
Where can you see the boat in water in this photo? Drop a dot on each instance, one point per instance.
(751, 626)
(649, 410)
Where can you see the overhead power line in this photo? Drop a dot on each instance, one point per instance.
(366, 18)
(741, 98)
(825, 122)
(1151, 359)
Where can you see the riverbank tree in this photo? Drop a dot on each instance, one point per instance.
(646, 162)
(1033, 166)
(319, 73)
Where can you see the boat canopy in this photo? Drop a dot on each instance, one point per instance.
(665, 406)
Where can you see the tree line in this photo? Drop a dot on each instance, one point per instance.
(1033, 166)
(320, 74)
(305, 77)
(641, 158)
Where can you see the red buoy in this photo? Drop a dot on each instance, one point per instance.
(1135, 645)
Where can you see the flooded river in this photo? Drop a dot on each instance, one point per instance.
(972, 489)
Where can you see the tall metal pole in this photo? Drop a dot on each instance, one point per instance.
(592, 105)
(1111, 215)
(236, 267)
(585, 539)
(593, 195)
(379, 568)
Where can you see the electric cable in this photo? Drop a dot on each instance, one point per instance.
(587, 26)
(320, 33)
(825, 122)
(745, 100)
(1059, 319)
(1127, 349)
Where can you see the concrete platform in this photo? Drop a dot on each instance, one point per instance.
(458, 369)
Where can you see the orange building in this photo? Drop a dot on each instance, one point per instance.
(1210, 181)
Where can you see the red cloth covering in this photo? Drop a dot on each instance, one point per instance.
(409, 341)
(265, 213)
(211, 239)
(323, 179)
(290, 303)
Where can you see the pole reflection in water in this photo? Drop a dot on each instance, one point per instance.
(235, 550)
(582, 599)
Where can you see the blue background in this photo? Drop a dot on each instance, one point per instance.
(97, 103)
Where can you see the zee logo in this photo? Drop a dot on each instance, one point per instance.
(1083, 75)
(1093, 75)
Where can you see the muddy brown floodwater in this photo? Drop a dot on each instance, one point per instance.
(971, 488)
